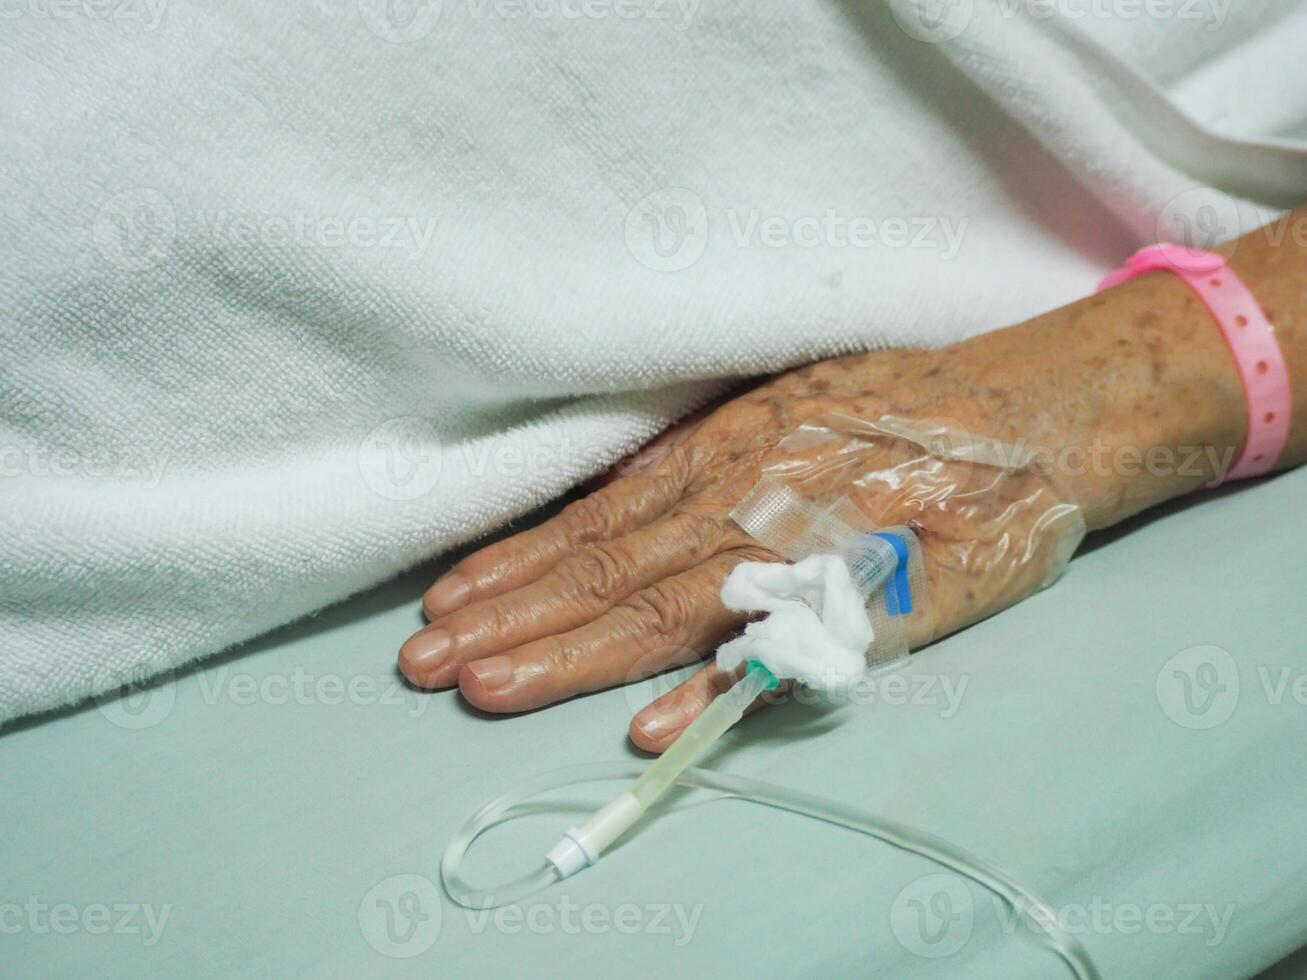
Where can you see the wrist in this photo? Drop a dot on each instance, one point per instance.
(1176, 415)
(1131, 395)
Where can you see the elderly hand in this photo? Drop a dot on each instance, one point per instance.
(625, 583)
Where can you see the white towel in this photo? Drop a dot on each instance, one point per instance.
(296, 295)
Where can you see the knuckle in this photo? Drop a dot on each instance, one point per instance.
(663, 611)
(679, 464)
(599, 572)
(491, 620)
(591, 517)
(704, 534)
(561, 658)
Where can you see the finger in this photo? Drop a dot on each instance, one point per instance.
(668, 624)
(607, 513)
(660, 723)
(578, 589)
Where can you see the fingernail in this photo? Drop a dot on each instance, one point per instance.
(427, 650)
(448, 594)
(493, 672)
(658, 725)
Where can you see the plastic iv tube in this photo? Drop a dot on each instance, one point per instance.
(581, 847)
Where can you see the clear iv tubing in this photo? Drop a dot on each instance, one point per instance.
(671, 766)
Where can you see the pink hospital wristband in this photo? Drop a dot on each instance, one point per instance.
(1251, 339)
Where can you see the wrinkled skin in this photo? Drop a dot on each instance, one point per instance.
(625, 583)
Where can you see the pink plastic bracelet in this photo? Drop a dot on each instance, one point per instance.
(1250, 336)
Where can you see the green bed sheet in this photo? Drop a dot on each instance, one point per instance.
(1131, 742)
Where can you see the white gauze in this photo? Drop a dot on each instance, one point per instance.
(816, 630)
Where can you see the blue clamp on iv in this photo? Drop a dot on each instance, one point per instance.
(898, 590)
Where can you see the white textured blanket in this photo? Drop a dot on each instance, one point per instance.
(298, 294)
